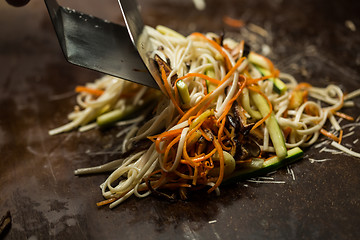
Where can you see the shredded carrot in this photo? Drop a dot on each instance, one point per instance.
(340, 136)
(329, 135)
(152, 138)
(189, 162)
(205, 157)
(168, 90)
(232, 22)
(255, 80)
(195, 109)
(166, 135)
(221, 158)
(220, 137)
(107, 201)
(233, 69)
(168, 147)
(216, 46)
(204, 135)
(185, 153)
(303, 85)
(190, 120)
(343, 115)
(96, 92)
(203, 76)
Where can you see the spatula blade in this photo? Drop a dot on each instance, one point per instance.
(97, 44)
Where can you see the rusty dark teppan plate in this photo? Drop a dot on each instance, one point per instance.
(318, 42)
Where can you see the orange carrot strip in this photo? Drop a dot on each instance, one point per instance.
(343, 115)
(221, 157)
(185, 154)
(253, 81)
(203, 76)
(152, 138)
(168, 90)
(168, 147)
(195, 109)
(220, 137)
(233, 69)
(205, 157)
(216, 46)
(189, 163)
(190, 120)
(232, 22)
(165, 135)
(204, 135)
(209, 97)
(107, 201)
(303, 85)
(329, 135)
(228, 134)
(340, 136)
(93, 91)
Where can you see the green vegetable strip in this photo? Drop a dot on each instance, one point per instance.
(245, 101)
(271, 124)
(115, 115)
(270, 165)
(169, 32)
(210, 73)
(257, 60)
(201, 118)
(184, 92)
(279, 86)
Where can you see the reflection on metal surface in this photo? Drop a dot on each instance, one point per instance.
(139, 35)
(97, 44)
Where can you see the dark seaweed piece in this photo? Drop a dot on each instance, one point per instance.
(247, 50)
(166, 66)
(246, 148)
(232, 121)
(244, 129)
(252, 148)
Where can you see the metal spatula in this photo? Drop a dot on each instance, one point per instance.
(103, 46)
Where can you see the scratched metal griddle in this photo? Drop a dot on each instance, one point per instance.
(313, 41)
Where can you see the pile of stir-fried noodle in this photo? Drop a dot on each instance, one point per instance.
(219, 111)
